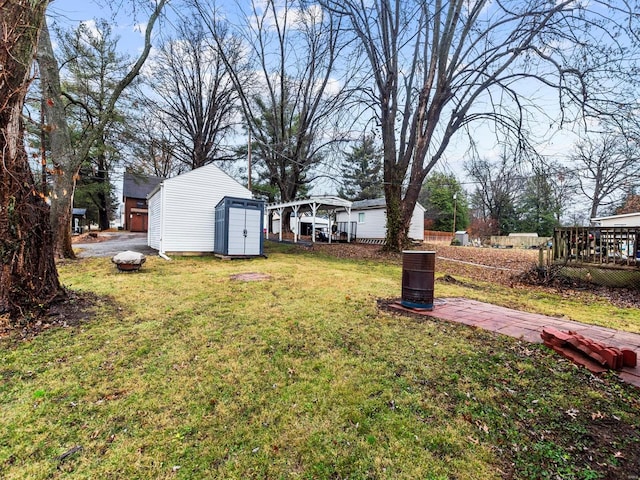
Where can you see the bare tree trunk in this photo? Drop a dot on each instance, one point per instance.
(104, 194)
(67, 163)
(28, 275)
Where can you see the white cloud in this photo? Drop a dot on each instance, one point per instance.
(140, 28)
(91, 28)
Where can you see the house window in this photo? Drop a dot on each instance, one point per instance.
(361, 217)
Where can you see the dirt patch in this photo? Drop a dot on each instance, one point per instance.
(89, 237)
(250, 277)
(77, 308)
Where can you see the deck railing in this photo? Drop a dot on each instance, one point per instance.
(607, 246)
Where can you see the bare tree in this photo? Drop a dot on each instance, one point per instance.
(564, 187)
(193, 94)
(498, 185)
(606, 168)
(438, 66)
(151, 149)
(287, 87)
(67, 160)
(28, 275)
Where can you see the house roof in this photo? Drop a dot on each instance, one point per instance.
(200, 172)
(613, 217)
(138, 186)
(374, 203)
(370, 203)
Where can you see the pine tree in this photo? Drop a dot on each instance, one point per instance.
(361, 171)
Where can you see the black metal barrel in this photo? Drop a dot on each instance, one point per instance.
(418, 277)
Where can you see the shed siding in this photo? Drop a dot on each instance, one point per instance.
(153, 234)
(188, 211)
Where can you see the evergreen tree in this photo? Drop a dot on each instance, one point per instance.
(537, 208)
(92, 70)
(362, 171)
(443, 197)
(283, 156)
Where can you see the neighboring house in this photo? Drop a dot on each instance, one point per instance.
(371, 218)
(182, 210)
(135, 189)
(624, 220)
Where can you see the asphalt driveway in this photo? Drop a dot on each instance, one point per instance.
(109, 244)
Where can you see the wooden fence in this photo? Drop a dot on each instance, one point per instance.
(433, 236)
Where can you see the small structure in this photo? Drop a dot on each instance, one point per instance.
(462, 238)
(371, 217)
(331, 206)
(519, 240)
(135, 189)
(182, 210)
(78, 218)
(239, 224)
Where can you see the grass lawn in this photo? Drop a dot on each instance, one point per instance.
(182, 371)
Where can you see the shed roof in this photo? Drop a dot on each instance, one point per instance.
(138, 186)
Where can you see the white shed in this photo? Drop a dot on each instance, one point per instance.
(624, 220)
(371, 218)
(182, 210)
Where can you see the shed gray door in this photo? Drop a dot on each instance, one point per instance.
(244, 232)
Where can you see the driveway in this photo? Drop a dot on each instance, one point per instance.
(109, 244)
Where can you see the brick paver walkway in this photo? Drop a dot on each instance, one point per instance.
(528, 326)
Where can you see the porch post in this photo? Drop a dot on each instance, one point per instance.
(296, 231)
(314, 209)
(281, 213)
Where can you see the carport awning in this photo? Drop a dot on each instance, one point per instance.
(313, 204)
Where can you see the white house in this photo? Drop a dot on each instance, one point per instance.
(182, 210)
(625, 220)
(371, 219)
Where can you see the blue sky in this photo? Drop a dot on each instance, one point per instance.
(129, 26)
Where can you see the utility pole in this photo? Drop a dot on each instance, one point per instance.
(455, 204)
(249, 162)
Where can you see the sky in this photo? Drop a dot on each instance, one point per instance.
(130, 28)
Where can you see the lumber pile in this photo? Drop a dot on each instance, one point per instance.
(589, 353)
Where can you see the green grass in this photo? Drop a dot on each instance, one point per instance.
(186, 373)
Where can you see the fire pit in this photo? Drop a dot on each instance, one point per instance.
(129, 261)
